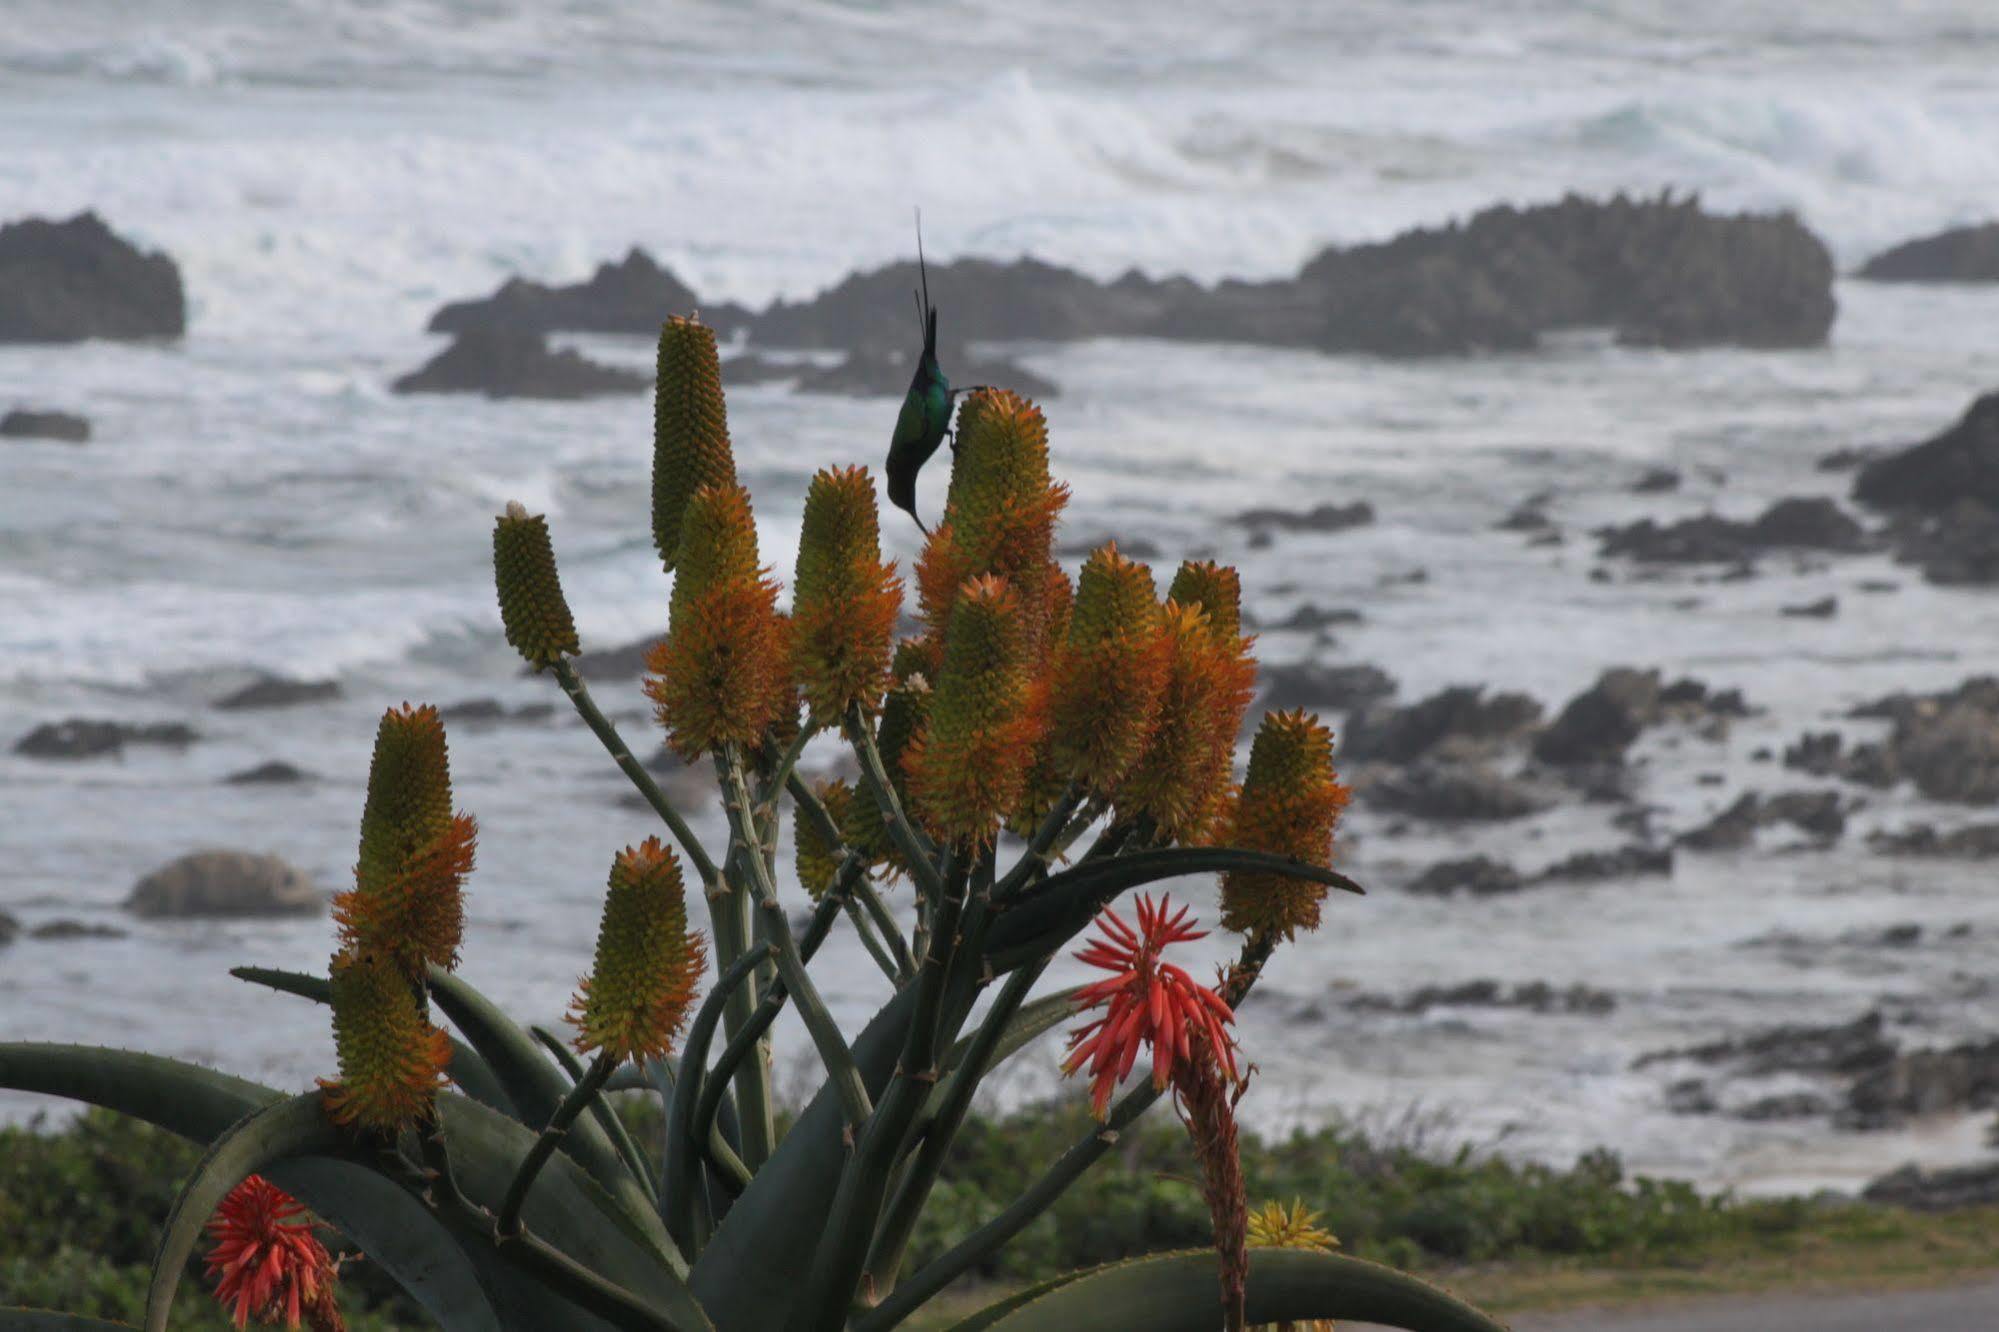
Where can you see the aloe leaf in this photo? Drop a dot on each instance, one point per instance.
(472, 1074)
(281, 1132)
(200, 1104)
(567, 1208)
(48, 1320)
(1178, 1292)
(756, 1262)
(537, 1087)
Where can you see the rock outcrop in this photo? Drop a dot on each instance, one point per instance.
(1661, 272)
(64, 427)
(1789, 524)
(510, 363)
(225, 883)
(634, 295)
(84, 737)
(1942, 498)
(67, 281)
(1961, 254)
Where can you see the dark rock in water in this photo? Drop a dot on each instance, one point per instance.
(225, 883)
(1599, 724)
(1847, 1047)
(1462, 717)
(275, 773)
(884, 373)
(277, 692)
(1789, 1105)
(1961, 254)
(1849, 459)
(67, 281)
(60, 426)
(1323, 518)
(80, 737)
(1690, 698)
(1947, 742)
(634, 295)
(1824, 754)
(1956, 547)
(1657, 481)
(627, 661)
(1821, 814)
(1480, 876)
(1924, 1082)
(59, 930)
(1623, 863)
(1662, 272)
(1132, 548)
(1691, 1096)
(1310, 616)
(1922, 1190)
(1528, 517)
(476, 711)
(9, 928)
(1960, 464)
(1456, 792)
(1310, 684)
(1534, 996)
(1822, 609)
(1795, 523)
(510, 363)
(1977, 841)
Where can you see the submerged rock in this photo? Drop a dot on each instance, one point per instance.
(1322, 518)
(1794, 524)
(510, 363)
(274, 773)
(1845, 1047)
(64, 427)
(1462, 718)
(274, 691)
(67, 281)
(1481, 876)
(225, 883)
(62, 930)
(1456, 792)
(1819, 814)
(82, 737)
(1624, 862)
(1977, 841)
(1313, 685)
(1533, 996)
(1961, 254)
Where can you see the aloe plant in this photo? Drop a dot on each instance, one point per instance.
(1036, 750)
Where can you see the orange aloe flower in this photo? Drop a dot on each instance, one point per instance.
(1147, 1002)
(267, 1263)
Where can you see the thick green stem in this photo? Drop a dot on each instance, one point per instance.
(864, 929)
(739, 1046)
(838, 1263)
(785, 770)
(579, 695)
(1040, 1195)
(819, 1024)
(680, 1188)
(603, 1112)
(885, 1260)
(1035, 862)
(508, 1223)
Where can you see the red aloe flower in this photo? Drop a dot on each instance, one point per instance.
(1147, 1002)
(267, 1262)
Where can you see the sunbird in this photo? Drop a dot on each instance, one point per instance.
(926, 409)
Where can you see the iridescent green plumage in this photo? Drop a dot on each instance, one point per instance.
(926, 408)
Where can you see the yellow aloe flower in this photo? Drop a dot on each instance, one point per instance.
(641, 988)
(1289, 805)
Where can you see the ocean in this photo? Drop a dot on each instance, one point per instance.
(327, 172)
